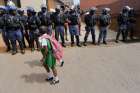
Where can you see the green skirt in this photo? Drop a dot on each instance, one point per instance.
(50, 60)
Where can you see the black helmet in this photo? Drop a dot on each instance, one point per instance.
(92, 10)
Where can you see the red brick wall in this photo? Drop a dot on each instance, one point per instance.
(116, 6)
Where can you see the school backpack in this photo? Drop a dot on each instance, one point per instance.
(56, 47)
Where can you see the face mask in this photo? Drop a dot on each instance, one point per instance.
(44, 10)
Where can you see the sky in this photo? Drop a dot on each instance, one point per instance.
(76, 1)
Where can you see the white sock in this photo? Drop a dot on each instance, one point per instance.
(50, 75)
(56, 78)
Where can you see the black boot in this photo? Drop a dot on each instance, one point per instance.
(78, 41)
(104, 42)
(85, 41)
(72, 40)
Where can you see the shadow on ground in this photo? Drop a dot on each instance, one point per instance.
(35, 78)
(133, 41)
(34, 63)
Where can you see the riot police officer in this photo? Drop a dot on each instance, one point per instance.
(90, 21)
(3, 11)
(104, 22)
(132, 21)
(59, 20)
(33, 25)
(123, 20)
(74, 21)
(23, 19)
(46, 20)
(14, 26)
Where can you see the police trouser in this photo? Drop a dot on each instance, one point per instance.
(74, 31)
(33, 34)
(66, 30)
(26, 35)
(131, 29)
(47, 29)
(102, 34)
(88, 30)
(16, 35)
(122, 30)
(59, 31)
(6, 39)
(23, 39)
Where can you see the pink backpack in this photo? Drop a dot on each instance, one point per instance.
(56, 46)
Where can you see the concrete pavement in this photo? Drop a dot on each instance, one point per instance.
(114, 68)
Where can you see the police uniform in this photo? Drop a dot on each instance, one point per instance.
(123, 20)
(14, 26)
(23, 19)
(74, 27)
(132, 21)
(104, 21)
(3, 28)
(33, 24)
(46, 20)
(90, 21)
(59, 20)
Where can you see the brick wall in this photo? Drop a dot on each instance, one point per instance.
(1, 2)
(116, 6)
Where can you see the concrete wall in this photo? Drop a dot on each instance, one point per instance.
(33, 3)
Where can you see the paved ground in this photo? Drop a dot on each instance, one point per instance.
(114, 68)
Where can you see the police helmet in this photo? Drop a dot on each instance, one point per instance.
(12, 8)
(20, 11)
(93, 10)
(30, 9)
(57, 10)
(2, 7)
(126, 9)
(106, 10)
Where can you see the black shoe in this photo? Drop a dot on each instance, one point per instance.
(62, 64)
(79, 45)
(55, 82)
(98, 43)
(116, 41)
(63, 45)
(72, 44)
(22, 51)
(49, 79)
(84, 44)
(14, 52)
(104, 42)
(93, 43)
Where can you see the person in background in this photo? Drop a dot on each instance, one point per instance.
(46, 19)
(59, 21)
(132, 22)
(3, 14)
(13, 27)
(23, 19)
(33, 25)
(90, 21)
(104, 22)
(74, 21)
(123, 21)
